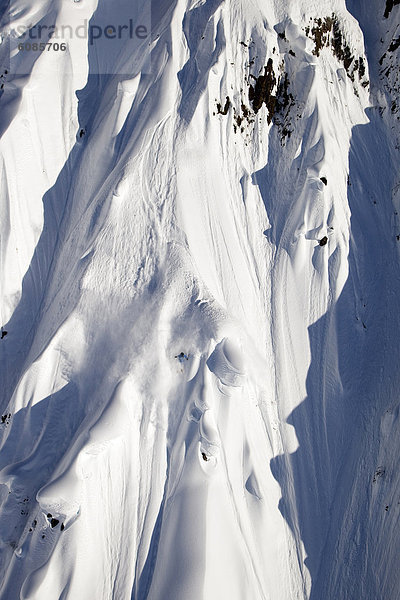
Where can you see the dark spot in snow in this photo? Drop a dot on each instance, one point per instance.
(43, 536)
(49, 515)
(387, 508)
(3, 333)
(380, 472)
(34, 523)
(324, 180)
(291, 52)
(243, 44)
(62, 527)
(54, 522)
(5, 419)
(82, 133)
(204, 455)
(323, 241)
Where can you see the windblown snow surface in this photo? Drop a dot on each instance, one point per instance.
(200, 283)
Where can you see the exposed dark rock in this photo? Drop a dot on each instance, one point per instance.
(284, 98)
(323, 241)
(246, 112)
(278, 104)
(340, 49)
(389, 7)
(224, 111)
(239, 120)
(262, 91)
(394, 45)
(361, 67)
(320, 33)
(327, 32)
(324, 180)
(284, 103)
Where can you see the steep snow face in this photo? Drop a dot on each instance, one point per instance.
(199, 282)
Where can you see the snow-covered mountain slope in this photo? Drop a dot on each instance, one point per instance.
(199, 301)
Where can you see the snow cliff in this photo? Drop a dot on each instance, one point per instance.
(199, 286)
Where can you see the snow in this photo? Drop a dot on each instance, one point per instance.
(203, 395)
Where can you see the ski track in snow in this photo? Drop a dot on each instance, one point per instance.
(199, 304)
